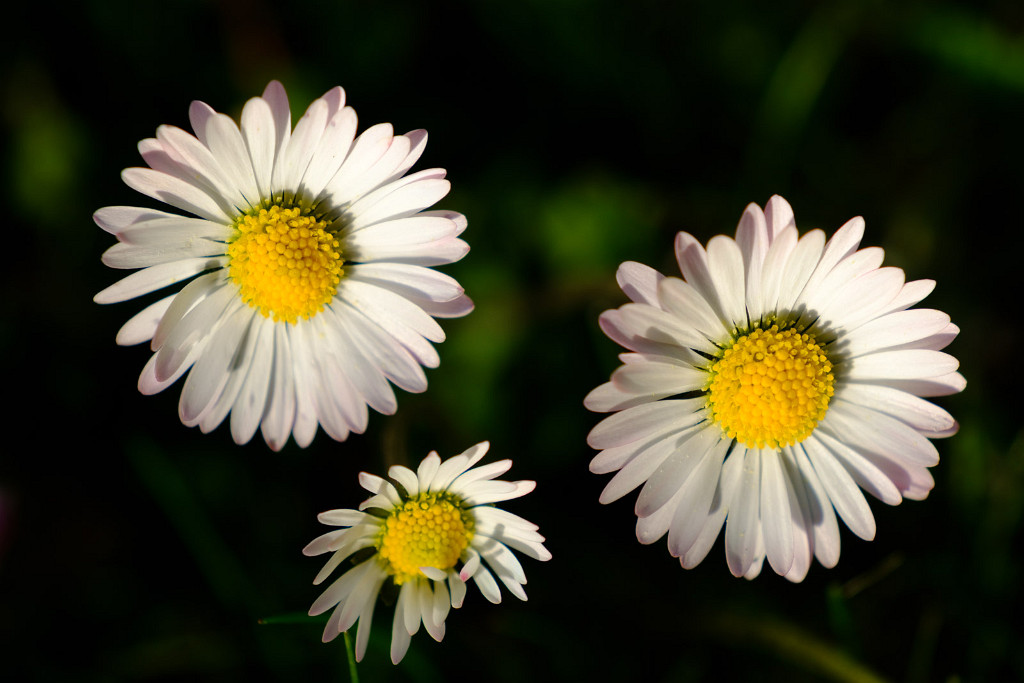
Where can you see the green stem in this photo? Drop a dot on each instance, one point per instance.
(352, 673)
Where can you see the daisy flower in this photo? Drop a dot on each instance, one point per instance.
(309, 256)
(767, 389)
(416, 531)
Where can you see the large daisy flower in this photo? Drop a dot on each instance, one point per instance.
(309, 256)
(766, 389)
(416, 531)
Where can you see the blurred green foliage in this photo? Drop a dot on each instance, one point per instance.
(578, 134)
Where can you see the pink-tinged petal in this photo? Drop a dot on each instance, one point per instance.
(920, 414)
(417, 144)
(176, 192)
(842, 490)
(864, 472)
(141, 327)
(778, 217)
(646, 420)
(752, 239)
(639, 282)
(693, 264)
(912, 293)
(684, 301)
(381, 304)
(199, 164)
(946, 385)
(867, 429)
(280, 112)
(228, 146)
(409, 281)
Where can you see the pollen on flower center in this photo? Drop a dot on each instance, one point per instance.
(430, 530)
(287, 264)
(771, 388)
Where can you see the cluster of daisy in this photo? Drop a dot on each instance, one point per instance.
(765, 390)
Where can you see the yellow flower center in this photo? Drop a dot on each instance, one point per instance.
(287, 263)
(770, 388)
(430, 530)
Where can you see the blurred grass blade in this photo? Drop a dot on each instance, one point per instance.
(970, 44)
(796, 86)
(793, 644)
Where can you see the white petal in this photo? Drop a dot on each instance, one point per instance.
(212, 368)
(658, 379)
(408, 281)
(347, 184)
(732, 471)
(141, 327)
(893, 329)
(400, 199)
(779, 510)
(820, 513)
(332, 150)
(682, 299)
(865, 429)
(691, 514)
(693, 264)
(675, 470)
(742, 527)
(260, 135)
(778, 217)
(247, 411)
(798, 268)
(752, 240)
(645, 420)
(916, 412)
(846, 497)
(911, 364)
(176, 192)
(639, 282)
(280, 411)
(154, 278)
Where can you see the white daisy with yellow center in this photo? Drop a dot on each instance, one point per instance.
(764, 390)
(416, 533)
(309, 253)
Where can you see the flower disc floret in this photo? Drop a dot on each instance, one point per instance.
(430, 530)
(287, 263)
(771, 388)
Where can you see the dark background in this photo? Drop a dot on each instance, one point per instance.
(577, 134)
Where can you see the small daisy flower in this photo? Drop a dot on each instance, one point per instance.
(766, 389)
(415, 533)
(309, 256)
